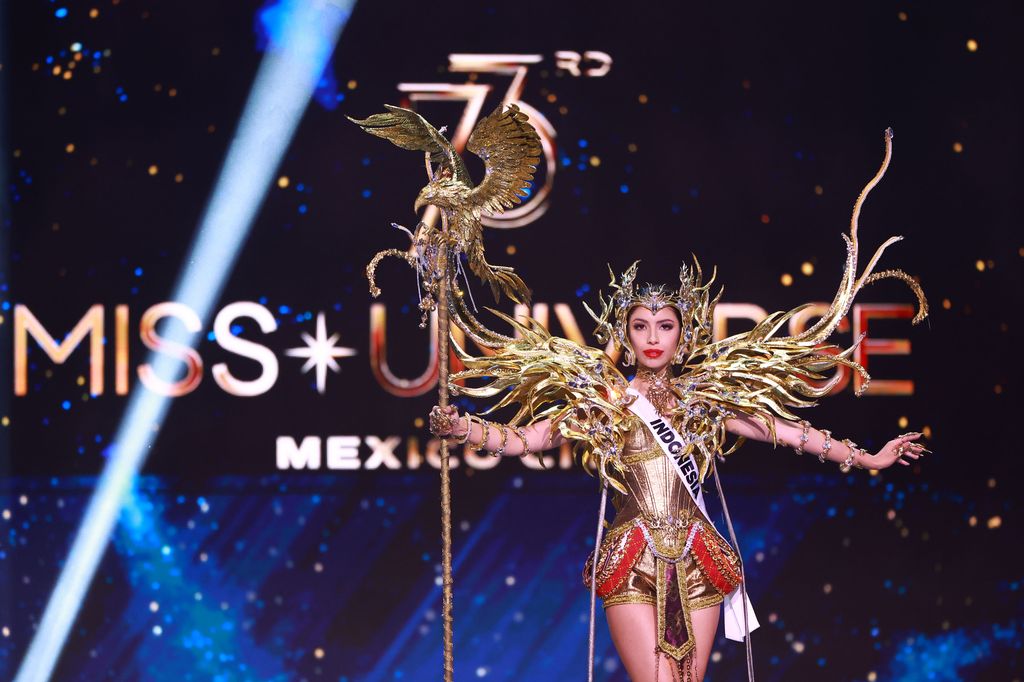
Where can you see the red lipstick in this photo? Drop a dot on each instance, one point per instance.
(653, 353)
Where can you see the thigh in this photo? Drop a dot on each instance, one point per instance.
(633, 628)
(705, 626)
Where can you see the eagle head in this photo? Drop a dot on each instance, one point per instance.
(444, 192)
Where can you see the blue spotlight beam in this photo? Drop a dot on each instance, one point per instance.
(300, 48)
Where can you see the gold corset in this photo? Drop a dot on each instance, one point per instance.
(656, 493)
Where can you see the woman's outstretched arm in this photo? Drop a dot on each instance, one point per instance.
(500, 439)
(803, 438)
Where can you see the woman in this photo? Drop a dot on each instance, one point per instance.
(663, 568)
(658, 522)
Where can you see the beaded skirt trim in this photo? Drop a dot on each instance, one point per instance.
(619, 554)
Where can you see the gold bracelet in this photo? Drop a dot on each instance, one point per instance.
(504, 437)
(485, 426)
(522, 437)
(803, 436)
(847, 463)
(461, 440)
(826, 446)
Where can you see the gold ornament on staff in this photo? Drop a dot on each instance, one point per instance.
(510, 149)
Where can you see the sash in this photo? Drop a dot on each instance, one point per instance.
(686, 467)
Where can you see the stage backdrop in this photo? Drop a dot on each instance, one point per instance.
(285, 522)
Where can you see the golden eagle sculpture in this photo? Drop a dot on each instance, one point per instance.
(510, 149)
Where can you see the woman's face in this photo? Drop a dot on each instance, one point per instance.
(654, 336)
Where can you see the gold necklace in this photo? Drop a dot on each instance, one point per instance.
(659, 390)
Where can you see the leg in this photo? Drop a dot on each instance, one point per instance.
(633, 628)
(705, 625)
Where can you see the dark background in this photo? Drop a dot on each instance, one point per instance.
(748, 108)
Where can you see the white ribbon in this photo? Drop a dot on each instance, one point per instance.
(673, 445)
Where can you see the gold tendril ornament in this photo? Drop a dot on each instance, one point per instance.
(510, 149)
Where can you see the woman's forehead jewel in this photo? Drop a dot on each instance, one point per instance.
(644, 313)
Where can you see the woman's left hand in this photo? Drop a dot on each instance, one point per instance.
(902, 449)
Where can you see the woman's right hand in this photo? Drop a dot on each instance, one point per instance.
(445, 422)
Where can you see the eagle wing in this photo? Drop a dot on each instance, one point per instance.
(408, 130)
(510, 149)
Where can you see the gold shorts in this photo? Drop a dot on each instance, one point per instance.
(640, 586)
(627, 570)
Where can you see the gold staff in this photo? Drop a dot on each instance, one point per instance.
(510, 149)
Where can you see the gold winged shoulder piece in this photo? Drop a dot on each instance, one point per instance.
(758, 373)
(547, 377)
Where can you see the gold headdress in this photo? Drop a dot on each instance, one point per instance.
(692, 301)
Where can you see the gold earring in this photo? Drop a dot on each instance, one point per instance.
(630, 358)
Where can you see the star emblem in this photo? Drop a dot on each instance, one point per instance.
(320, 353)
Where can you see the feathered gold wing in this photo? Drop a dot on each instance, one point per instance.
(752, 374)
(762, 375)
(549, 377)
(406, 129)
(510, 149)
